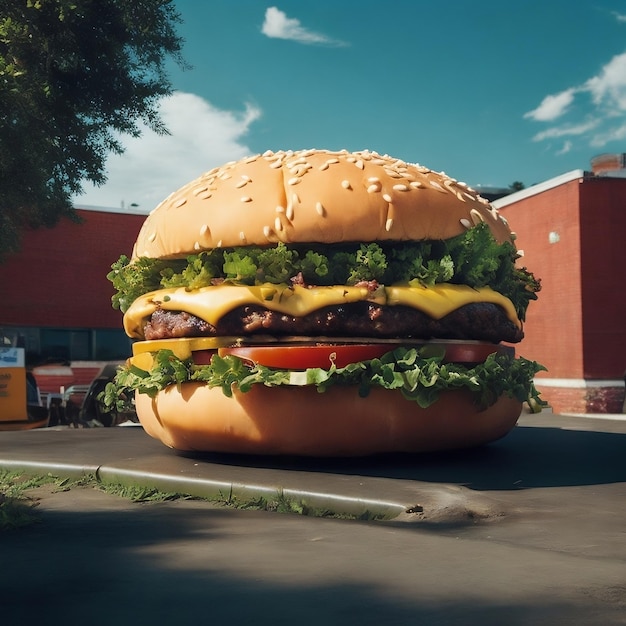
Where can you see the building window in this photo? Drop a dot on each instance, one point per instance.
(63, 345)
(111, 345)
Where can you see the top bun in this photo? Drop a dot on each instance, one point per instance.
(313, 196)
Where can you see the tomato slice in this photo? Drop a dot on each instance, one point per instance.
(203, 357)
(301, 357)
(307, 356)
(470, 351)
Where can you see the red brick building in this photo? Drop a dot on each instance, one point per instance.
(572, 229)
(57, 300)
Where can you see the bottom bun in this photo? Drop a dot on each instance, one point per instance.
(301, 421)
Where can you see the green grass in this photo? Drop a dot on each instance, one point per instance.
(18, 507)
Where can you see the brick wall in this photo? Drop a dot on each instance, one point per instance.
(548, 231)
(59, 277)
(572, 235)
(603, 255)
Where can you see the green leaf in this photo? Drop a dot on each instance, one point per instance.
(474, 259)
(418, 373)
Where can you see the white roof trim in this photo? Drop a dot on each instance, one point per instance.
(538, 188)
(108, 209)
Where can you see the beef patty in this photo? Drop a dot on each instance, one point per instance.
(477, 321)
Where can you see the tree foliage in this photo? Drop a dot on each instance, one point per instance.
(74, 76)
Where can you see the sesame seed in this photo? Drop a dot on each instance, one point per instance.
(294, 181)
(373, 179)
(386, 197)
(199, 190)
(152, 237)
(295, 198)
(373, 188)
(416, 184)
(242, 236)
(267, 231)
(299, 170)
(205, 195)
(319, 207)
(204, 229)
(180, 203)
(276, 164)
(278, 225)
(280, 209)
(196, 245)
(392, 173)
(323, 167)
(359, 164)
(246, 199)
(388, 224)
(477, 218)
(346, 184)
(289, 213)
(435, 185)
(449, 185)
(299, 161)
(465, 223)
(400, 187)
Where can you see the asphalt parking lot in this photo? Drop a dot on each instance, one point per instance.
(528, 530)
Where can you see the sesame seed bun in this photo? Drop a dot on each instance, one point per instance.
(306, 197)
(313, 196)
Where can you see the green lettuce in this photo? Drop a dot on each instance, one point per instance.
(473, 258)
(420, 374)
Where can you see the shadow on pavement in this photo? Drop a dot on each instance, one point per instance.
(148, 565)
(526, 458)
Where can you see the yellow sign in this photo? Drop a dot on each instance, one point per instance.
(12, 385)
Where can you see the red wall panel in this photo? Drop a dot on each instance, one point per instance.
(548, 231)
(59, 277)
(603, 228)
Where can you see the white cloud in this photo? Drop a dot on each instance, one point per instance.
(552, 106)
(278, 26)
(567, 146)
(609, 87)
(153, 166)
(620, 17)
(566, 130)
(605, 108)
(617, 133)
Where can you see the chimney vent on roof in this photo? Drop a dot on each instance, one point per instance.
(609, 164)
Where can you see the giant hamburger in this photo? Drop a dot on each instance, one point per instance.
(325, 303)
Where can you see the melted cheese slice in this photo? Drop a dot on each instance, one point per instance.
(212, 303)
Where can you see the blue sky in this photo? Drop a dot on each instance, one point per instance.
(490, 92)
